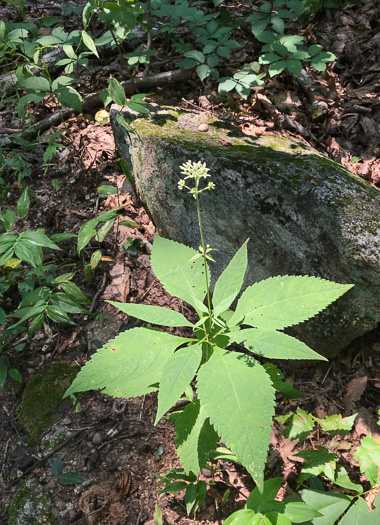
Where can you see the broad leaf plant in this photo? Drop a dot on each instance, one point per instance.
(234, 394)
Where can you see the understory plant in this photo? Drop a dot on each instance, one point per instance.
(230, 394)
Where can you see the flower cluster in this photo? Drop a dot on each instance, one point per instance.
(196, 171)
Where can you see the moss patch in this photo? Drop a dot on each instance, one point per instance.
(31, 505)
(41, 397)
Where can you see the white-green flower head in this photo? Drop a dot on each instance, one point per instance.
(195, 171)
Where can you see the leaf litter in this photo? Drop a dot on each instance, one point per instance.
(115, 449)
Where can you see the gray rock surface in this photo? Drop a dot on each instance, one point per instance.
(31, 505)
(304, 214)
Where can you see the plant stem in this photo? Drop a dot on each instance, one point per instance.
(207, 353)
(204, 255)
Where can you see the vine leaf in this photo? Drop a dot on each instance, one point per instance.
(368, 455)
(358, 514)
(273, 344)
(230, 281)
(177, 375)
(153, 314)
(238, 396)
(282, 301)
(181, 276)
(196, 438)
(129, 365)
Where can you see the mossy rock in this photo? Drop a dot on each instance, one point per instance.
(50, 442)
(304, 213)
(42, 396)
(31, 505)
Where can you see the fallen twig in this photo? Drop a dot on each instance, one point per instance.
(44, 458)
(93, 101)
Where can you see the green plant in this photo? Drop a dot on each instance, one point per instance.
(132, 246)
(227, 405)
(44, 296)
(88, 230)
(67, 478)
(51, 150)
(323, 465)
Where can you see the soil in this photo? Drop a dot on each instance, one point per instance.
(113, 443)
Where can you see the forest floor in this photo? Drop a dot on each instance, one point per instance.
(112, 443)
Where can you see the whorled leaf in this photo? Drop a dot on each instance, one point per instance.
(177, 375)
(278, 302)
(195, 438)
(129, 365)
(181, 276)
(238, 397)
(230, 281)
(273, 344)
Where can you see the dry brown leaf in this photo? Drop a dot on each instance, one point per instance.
(354, 392)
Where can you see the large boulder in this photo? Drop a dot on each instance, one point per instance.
(304, 214)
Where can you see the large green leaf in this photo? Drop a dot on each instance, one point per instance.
(6, 256)
(86, 233)
(358, 514)
(117, 92)
(129, 365)
(7, 240)
(74, 292)
(69, 97)
(29, 253)
(341, 478)
(177, 375)
(104, 230)
(89, 43)
(246, 517)
(181, 276)
(331, 505)
(153, 314)
(238, 397)
(319, 461)
(196, 438)
(283, 301)
(23, 204)
(39, 239)
(56, 314)
(36, 83)
(273, 344)
(231, 280)
(64, 302)
(298, 511)
(270, 489)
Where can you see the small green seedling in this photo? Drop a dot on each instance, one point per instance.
(132, 246)
(66, 478)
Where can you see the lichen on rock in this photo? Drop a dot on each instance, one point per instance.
(31, 505)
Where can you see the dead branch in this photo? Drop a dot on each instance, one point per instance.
(91, 102)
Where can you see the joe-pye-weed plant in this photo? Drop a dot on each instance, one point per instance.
(233, 396)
